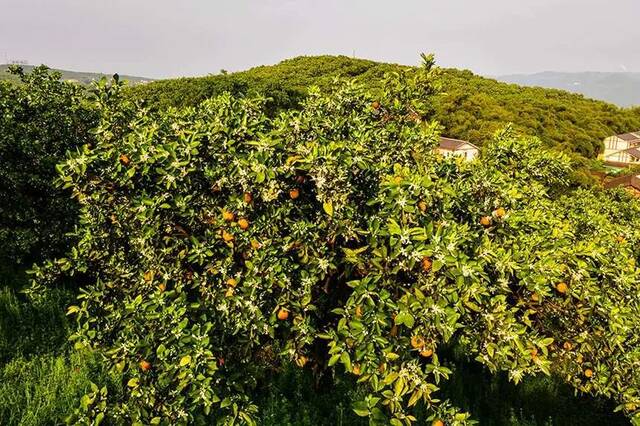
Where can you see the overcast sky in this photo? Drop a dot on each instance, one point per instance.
(166, 38)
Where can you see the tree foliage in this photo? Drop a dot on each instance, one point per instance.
(40, 119)
(215, 240)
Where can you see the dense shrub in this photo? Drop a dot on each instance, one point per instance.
(215, 241)
(40, 120)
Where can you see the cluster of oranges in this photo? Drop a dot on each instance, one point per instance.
(419, 343)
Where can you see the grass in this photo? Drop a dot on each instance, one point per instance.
(45, 389)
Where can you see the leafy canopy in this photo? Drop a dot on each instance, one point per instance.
(215, 241)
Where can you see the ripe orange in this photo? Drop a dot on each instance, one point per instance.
(500, 212)
(535, 297)
(356, 369)
(485, 221)
(232, 282)
(417, 341)
(283, 314)
(255, 244)
(562, 287)
(124, 160)
(422, 206)
(567, 346)
(162, 287)
(148, 276)
(248, 198)
(294, 193)
(358, 311)
(437, 422)
(375, 105)
(588, 373)
(145, 365)
(227, 236)
(426, 353)
(243, 224)
(426, 264)
(228, 216)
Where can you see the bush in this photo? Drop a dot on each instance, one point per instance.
(215, 242)
(41, 119)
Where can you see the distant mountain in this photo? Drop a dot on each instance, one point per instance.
(620, 88)
(77, 76)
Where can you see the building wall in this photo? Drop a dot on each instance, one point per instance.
(467, 151)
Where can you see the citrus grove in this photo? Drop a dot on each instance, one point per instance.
(215, 241)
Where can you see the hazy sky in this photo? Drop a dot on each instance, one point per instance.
(162, 38)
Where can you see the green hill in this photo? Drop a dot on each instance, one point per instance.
(471, 107)
(77, 76)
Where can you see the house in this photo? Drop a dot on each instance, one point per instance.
(630, 182)
(622, 150)
(449, 147)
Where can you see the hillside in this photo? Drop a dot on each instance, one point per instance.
(620, 88)
(78, 76)
(471, 107)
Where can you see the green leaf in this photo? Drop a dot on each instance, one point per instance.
(185, 360)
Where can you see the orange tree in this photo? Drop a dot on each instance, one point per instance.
(214, 241)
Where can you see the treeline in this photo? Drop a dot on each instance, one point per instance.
(470, 107)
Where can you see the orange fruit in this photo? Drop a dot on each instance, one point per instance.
(145, 365)
(422, 206)
(247, 197)
(426, 353)
(567, 346)
(562, 287)
(485, 221)
(358, 311)
(437, 422)
(375, 105)
(255, 244)
(356, 369)
(232, 282)
(426, 264)
(283, 314)
(228, 216)
(417, 341)
(243, 224)
(294, 193)
(227, 236)
(500, 212)
(162, 287)
(124, 160)
(148, 276)
(588, 373)
(535, 297)
(620, 239)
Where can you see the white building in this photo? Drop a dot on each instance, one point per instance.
(449, 147)
(622, 150)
